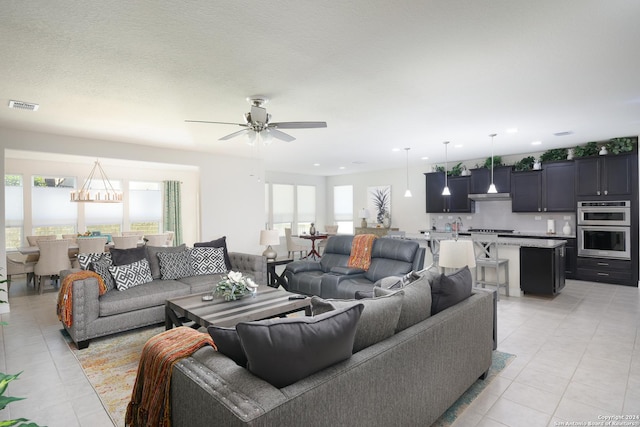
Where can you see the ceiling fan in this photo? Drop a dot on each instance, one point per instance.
(258, 123)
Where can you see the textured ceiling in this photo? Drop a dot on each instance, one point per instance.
(382, 74)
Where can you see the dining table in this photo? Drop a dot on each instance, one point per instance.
(313, 237)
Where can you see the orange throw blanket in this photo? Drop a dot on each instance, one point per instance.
(65, 296)
(150, 406)
(360, 256)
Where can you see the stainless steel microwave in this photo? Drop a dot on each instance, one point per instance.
(604, 242)
(605, 213)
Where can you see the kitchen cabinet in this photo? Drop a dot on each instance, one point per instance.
(570, 259)
(481, 179)
(458, 201)
(542, 270)
(606, 270)
(605, 176)
(551, 189)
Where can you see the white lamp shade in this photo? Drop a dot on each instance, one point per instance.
(364, 213)
(456, 254)
(269, 237)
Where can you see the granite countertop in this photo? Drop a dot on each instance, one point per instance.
(513, 239)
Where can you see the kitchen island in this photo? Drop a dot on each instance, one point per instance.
(509, 248)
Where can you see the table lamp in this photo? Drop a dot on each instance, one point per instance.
(268, 238)
(364, 214)
(456, 254)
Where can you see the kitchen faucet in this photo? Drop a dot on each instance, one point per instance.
(457, 224)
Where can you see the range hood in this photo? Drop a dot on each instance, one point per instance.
(489, 196)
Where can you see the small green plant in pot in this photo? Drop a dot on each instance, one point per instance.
(456, 170)
(589, 149)
(526, 164)
(620, 145)
(554, 154)
(497, 161)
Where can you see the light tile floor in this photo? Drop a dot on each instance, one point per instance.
(578, 358)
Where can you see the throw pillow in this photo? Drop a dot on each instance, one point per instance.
(378, 321)
(450, 290)
(175, 265)
(102, 268)
(127, 256)
(228, 343)
(207, 261)
(85, 260)
(154, 261)
(285, 350)
(416, 305)
(130, 275)
(217, 243)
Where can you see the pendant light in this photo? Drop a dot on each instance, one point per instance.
(445, 190)
(408, 192)
(492, 188)
(102, 192)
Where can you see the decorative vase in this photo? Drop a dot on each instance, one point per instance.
(566, 230)
(537, 165)
(386, 221)
(312, 229)
(603, 150)
(570, 153)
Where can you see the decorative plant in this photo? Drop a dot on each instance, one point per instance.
(497, 161)
(380, 198)
(456, 170)
(589, 149)
(439, 169)
(554, 154)
(620, 145)
(234, 286)
(525, 164)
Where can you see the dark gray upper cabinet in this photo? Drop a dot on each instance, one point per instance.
(481, 179)
(459, 187)
(551, 189)
(605, 176)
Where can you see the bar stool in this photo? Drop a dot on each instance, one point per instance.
(487, 257)
(434, 246)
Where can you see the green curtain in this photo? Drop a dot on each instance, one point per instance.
(172, 209)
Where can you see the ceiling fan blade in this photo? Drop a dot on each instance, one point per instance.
(299, 125)
(233, 135)
(216, 123)
(280, 135)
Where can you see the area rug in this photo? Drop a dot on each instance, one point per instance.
(111, 364)
(499, 361)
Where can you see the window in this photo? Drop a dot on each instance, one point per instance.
(306, 207)
(343, 208)
(104, 217)
(52, 211)
(145, 207)
(283, 207)
(13, 211)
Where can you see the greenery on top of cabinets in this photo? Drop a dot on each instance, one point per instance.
(497, 161)
(620, 145)
(554, 154)
(454, 171)
(589, 149)
(526, 164)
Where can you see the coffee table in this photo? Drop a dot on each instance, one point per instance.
(268, 302)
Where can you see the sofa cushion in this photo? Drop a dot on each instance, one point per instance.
(175, 265)
(127, 256)
(450, 290)
(227, 342)
(85, 260)
(130, 275)
(416, 305)
(154, 261)
(391, 257)
(207, 261)
(283, 351)
(151, 294)
(101, 267)
(202, 283)
(378, 321)
(217, 243)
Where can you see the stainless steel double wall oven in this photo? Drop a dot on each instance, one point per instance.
(604, 229)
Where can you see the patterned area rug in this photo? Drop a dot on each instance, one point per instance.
(111, 364)
(499, 361)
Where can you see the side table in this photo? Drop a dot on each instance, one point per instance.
(273, 278)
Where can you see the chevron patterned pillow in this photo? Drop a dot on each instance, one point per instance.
(130, 275)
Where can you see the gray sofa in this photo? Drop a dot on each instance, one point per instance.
(331, 278)
(116, 311)
(408, 379)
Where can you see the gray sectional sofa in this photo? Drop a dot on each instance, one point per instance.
(116, 311)
(331, 278)
(407, 379)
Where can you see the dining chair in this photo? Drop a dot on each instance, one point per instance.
(17, 264)
(91, 245)
(170, 236)
(71, 237)
(293, 247)
(487, 256)
(33, 240)
(133, 233)
(156, 239)
(125, 242)
(54, 257)
(434, 246)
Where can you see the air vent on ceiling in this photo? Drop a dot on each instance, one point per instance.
(564, 133)
(21, 105)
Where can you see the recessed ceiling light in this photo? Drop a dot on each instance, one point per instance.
(316, 164)
(395, 149)
(424, 158)
(512, 130)
(536, 143)
(342, 167)
(458, 146)
(563, 133)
